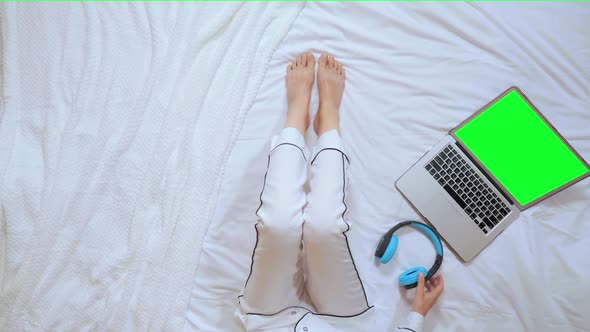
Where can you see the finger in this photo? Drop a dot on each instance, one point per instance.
(429, 286)
(420, 286)
(435, 281)
(438, 280)
(436, 291)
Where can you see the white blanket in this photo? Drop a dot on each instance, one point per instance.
(116, 123)
(414, 71)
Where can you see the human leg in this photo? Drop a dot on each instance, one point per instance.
(275, 279)
(333, 282)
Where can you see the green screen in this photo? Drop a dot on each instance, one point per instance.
(514, 143)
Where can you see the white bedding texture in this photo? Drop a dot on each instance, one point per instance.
(134, 141)
(117, 121)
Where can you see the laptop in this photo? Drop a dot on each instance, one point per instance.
(500, 161)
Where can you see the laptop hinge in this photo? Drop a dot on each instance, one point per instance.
(485, 174)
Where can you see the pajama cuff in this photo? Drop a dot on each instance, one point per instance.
(329, 140)
(290, 136)
(414, 322)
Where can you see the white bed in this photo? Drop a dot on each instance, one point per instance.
(116, 122)
(128, 190)
(414, 71)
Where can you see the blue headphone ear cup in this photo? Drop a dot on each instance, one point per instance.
(389, 251)
(411, 276)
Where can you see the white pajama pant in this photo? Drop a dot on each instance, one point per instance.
(302, 256)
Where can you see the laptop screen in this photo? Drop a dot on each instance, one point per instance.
(520, 149)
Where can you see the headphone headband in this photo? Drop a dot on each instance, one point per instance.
(431, 234)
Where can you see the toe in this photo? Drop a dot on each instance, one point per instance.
(324, 60)
(310, 59)
(300, 60)
(330, 61)
(338, 67)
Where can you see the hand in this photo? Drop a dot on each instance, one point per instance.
(423, 301)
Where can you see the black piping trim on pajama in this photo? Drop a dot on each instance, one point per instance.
(330, 315)
(302, 153)
(308, 312)
(343, 155)
(348, 225)
(255, 226)
(405, 328)
(278, 312)
(343, 233)
(260, 206)
(333, 149)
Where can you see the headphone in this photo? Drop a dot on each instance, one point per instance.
(388, 244)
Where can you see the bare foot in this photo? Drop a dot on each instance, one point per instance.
(330, 87)
(300, 75)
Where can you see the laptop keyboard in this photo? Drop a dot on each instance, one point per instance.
(467, 188)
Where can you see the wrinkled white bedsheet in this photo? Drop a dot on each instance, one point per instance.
(414, 71)
(116, 122)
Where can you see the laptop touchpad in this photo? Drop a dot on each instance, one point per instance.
(442, 207)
